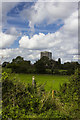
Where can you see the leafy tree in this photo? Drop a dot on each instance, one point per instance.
(52, 65)
(18, 59)
(19, 65)
(40, 67)
(59, 61)
(45, 60)
(5, 64)
(48, 64)
(70, 67)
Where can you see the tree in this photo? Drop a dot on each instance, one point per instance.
(52, 65)
(40, 67)
(59, 61)
(5, 64)
(45, 60)
(18, 59)
(19, 65)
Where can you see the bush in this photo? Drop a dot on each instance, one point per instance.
(48, 71)
(7, 70)
(70, 95)
(56, 71)
(20, 100)
(63, 72)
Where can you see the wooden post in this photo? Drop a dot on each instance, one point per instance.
(53, 94)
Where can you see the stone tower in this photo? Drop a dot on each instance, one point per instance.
(47, 54)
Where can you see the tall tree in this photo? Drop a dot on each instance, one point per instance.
(40, 67)
(18, 59)
(59, 61)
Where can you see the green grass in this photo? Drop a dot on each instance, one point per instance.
(50, 81)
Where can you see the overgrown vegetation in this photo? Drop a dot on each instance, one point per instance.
(27, 101)
(70, 95)
(20, 101)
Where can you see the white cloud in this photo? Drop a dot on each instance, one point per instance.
(18, 1)
(40, 0)
(0, 16)
(62, 43)
(40, 41)
(49, 11)
(58, 0)
(73, 51)
(13, 31)
(71, 23)
(6, 40)
(67, 36)
(9, 54)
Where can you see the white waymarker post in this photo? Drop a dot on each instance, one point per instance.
(33, 81)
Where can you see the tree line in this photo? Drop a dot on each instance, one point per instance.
(41, 66)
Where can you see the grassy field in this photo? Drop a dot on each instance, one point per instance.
(50, 81)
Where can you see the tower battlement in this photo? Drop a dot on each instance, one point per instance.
(47, 54)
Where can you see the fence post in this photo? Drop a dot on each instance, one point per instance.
(52, 94)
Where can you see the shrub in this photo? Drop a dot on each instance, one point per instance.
(56, 71)
(70, 95)
(19, 100)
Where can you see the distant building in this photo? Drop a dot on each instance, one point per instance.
(47, 54)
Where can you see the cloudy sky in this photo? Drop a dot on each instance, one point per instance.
(31, 27)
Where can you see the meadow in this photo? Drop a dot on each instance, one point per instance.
(51, 82)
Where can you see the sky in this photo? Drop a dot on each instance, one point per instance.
(28, 28)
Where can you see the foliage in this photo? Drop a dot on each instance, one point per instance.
(19, 65)
(63, 72)
(20, 100)
(59, 61)
(18, 59)
(70, 94)
(42, 66)
(25, 101)
(5, 64)
(7, 70)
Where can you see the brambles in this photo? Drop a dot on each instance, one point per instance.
(26, 101)
(19, 99)
(70, 95)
